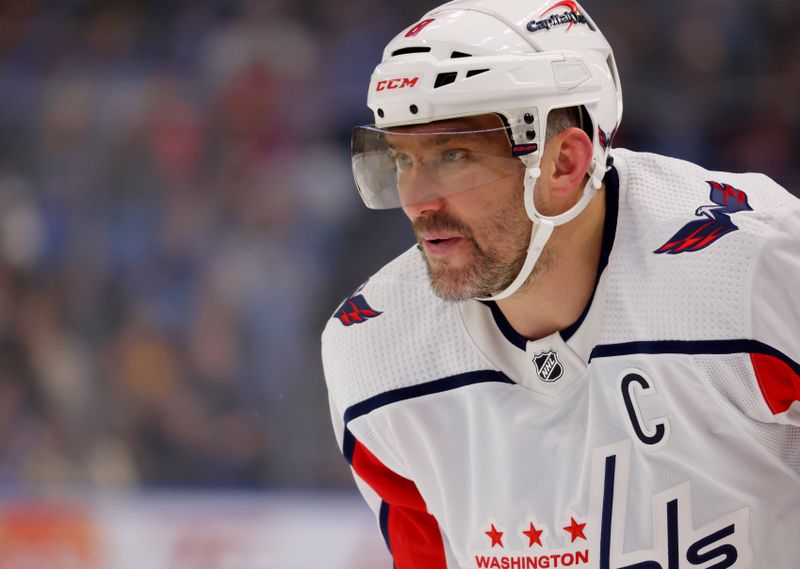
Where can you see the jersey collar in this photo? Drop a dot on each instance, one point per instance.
(611, 182)
(547, 365)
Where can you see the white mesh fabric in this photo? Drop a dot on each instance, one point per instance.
(732, 377)
(697, 295)
(417, 338)
(775, 293)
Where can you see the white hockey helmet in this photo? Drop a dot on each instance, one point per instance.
(516, 59)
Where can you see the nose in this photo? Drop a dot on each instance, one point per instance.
(421, 209)
(419, 193)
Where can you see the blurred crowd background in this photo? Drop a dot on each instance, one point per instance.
(178, 219)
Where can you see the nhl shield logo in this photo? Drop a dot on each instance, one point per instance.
(548, 367)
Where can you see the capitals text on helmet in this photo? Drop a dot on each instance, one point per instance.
(556, 20)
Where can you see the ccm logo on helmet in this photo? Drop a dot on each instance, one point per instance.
(399, 83)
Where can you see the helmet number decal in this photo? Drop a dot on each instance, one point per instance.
(417, 28)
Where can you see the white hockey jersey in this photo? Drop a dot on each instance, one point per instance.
(660, 431)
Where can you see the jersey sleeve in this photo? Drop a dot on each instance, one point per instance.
(357, 379)
(411, 533)
(775, 319)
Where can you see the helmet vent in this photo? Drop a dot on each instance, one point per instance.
(445, 79)
(473, 72)
(457, 54)
(407, 50)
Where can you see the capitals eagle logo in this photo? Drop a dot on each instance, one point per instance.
(355, 309)
(714, 222)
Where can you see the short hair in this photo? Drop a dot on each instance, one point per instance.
(560, 120)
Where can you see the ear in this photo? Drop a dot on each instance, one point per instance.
(568, 157)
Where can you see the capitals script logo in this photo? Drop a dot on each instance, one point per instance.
(596, 541)
(714, 221)
(569, 18)
(355, 309)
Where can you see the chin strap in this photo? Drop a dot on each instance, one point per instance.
(543, 225)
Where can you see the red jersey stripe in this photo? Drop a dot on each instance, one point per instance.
(415, 539)
(779, 383)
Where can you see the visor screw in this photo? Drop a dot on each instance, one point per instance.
(380, 113)
(528, 118)
(414, 110)
(531, 134)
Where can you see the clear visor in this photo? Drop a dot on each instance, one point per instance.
(404, 166)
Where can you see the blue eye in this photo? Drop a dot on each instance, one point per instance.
(401, 160)
(453, 155)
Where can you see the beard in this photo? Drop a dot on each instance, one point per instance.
(492, 264)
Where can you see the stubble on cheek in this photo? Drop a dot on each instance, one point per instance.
(488, 269)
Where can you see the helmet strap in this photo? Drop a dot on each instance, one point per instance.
(543, 225)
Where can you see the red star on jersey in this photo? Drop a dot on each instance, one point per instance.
(534, 536)
(495, 536)
(575, 530)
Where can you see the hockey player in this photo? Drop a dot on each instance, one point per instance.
(591, 357)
